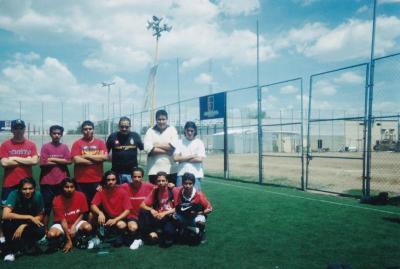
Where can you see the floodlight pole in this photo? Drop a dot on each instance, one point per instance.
(367, 180)
(179, 94)
(108, 85)
(259, 113)
(157, 29)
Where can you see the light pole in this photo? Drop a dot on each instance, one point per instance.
(157, 29)
(108, 85)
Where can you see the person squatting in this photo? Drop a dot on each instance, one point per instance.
(117, 207)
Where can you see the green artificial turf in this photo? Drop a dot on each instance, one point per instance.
(262, 227)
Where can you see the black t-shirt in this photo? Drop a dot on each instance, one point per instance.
(124, 151)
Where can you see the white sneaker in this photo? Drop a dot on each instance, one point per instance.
(9, 258)
(136, 244)
(196, 230)
(93, 242)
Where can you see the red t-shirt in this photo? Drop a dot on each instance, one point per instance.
(198, 198)
(88, 173)
(113, 202)
(69, 208)
(13, 175)
(164, 203)
(53, 175)
(137, 196)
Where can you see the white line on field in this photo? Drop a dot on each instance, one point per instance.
(305, 198)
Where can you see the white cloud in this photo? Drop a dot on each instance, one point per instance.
(324, 87)
(119, 30)
(305, 2)
(237, 7)
(349, 78)
(51, 82)
(349, 40)
(352, 40)
(362, 9)
(204, 78)
(288, 89)
(388, 1)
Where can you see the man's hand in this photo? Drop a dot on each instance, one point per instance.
(101, 219)
(68, 246)
(36, 220)
(19, 231)
(111, 222)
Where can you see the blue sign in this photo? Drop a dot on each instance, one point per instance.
(5, 125)
(212, 106)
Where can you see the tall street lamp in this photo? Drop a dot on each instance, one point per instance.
(108, 85)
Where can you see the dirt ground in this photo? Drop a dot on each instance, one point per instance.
(329, 174)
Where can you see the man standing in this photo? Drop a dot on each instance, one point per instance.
(157, 144)
(88, 154)
(124, 147)
(18, 155)
(54, 158)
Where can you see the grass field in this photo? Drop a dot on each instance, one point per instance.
(262, 227)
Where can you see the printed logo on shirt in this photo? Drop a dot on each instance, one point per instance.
(14, 152)
(90, 150)
(72, 212)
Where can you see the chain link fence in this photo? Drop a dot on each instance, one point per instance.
(311, 141)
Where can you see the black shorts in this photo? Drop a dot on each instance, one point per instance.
(48, 193)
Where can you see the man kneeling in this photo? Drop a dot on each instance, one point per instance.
(111, 206)
(191, 209)
(69, 208)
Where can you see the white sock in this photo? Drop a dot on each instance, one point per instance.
(2, 239)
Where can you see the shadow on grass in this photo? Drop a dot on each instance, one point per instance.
(392, 219)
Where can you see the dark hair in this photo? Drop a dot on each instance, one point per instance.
(188, 176)
(56, 127)
(162, 173)
(134, 169)
(124, 119)
(106, 174)
(161, 112)
(67, 180)
(85, 123)
(24, 181)
(191, 124)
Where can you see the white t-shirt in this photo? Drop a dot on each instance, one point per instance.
(160, 162)
(186, 147)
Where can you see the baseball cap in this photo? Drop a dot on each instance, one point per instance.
(17, 123)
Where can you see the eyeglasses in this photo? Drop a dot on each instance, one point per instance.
(87, 129)
(124, 126)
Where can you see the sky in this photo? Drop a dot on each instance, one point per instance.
(59, 52)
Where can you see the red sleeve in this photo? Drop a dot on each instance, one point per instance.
(126, 203)
(58, 209)
(82, 201)
(149, 201)
(204, 202)
(97, 198)
(176, 192)
(67, 153)
(102, 146)
(33, 148)
(43, 155)
(76, 150)
(3, 151)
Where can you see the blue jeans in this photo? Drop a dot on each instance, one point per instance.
(197, 183)
(124, 178)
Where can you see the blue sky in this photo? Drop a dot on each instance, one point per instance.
(60, 51)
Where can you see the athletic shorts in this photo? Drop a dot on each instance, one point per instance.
(48, 193)
(59, 227)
